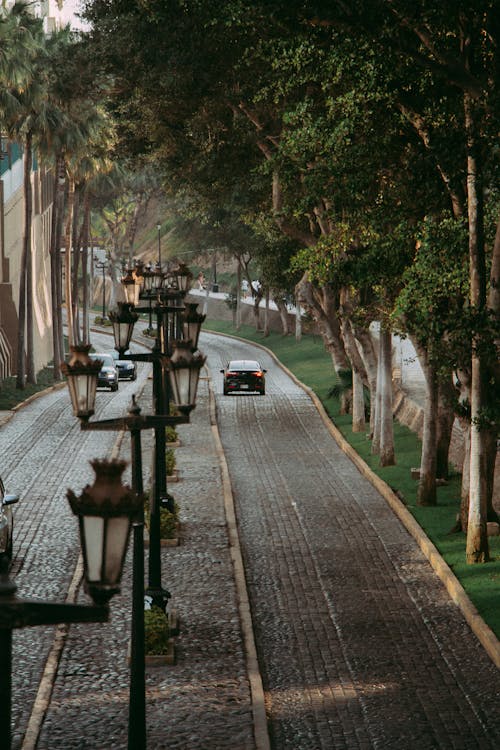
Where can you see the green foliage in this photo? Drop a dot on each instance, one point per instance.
(435, 288)
(100, 321)
(171, 434)
(10, 396)
(157, 631)
(170, 461)
(169, 522)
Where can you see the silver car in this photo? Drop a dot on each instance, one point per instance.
(6, 527)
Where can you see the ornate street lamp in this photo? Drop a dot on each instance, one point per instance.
(139, 273)
(184, 373)
(131, 287)
(157, 280)
(105, 513)
(81, 372)
(123, 325)
(191, 324)
(183, 276)
(148, 276)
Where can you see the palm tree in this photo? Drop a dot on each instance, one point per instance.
(19, 44)
(22, 110)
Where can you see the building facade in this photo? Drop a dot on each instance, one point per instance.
(11, 241)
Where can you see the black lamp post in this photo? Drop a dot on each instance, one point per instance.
(105, 516)
(158, 227)
(134, 423)
(81, 374)
(167, 315)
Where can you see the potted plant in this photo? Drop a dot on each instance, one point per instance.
(171, 462)
(159, 646)
(169, 525)
(172, 436)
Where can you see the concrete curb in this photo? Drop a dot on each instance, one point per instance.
(482, 631)
(261, 734)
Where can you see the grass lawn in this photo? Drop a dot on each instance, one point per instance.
(310, 363)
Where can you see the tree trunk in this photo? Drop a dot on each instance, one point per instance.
(465, 485)
(377, 405)
(322, 305)
(477, 549)
(281, 305)
(494, 308)
(75, 267)
(238, 296)
(28, 196)
(368, 354)
(26, 250)
(298, 321)
(358, 377)
(256, 313)
(445, 420)
(54, 270)
(266, 313)
(67, 245)
(85, 274)
(387, 457)
(59, 267)
(426, 494)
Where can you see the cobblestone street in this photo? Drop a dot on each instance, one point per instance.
(359, 645)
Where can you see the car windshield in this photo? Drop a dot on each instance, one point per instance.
(243, 364)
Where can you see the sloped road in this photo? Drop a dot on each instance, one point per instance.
(359, 644)
(358, 641)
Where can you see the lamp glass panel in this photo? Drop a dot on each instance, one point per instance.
(93, 530)
(122, 334)
(181, 387)
(116, 544)
(131, 293)
(82, 390)
(194, 374)
(192, 331)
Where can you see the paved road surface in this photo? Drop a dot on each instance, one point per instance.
(359, 644)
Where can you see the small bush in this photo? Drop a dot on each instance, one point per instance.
(157, 631)
(171, 434)
(168, 523)
(170, 461)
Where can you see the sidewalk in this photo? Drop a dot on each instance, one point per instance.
(205, 699)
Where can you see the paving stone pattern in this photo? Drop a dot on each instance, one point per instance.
(359, 643)
(204, 700)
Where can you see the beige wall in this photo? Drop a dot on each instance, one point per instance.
(11, 238)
